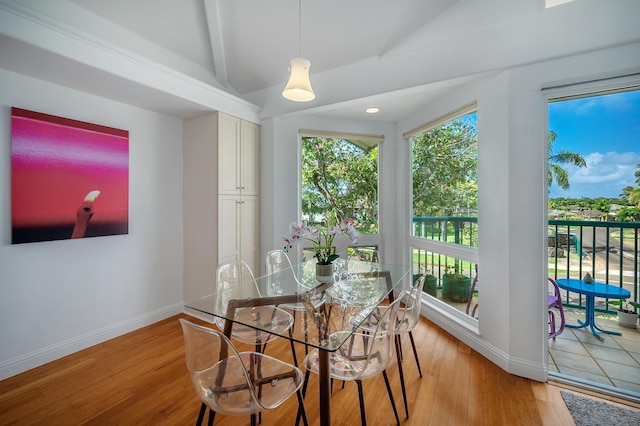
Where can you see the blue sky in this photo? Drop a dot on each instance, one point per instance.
(606, 131)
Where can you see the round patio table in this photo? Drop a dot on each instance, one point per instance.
(591, 291)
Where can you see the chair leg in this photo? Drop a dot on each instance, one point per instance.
(253, 419)
(304, 392)
(203, 409)
(393, 402)
(404, 390)
(301, 408)
(212, 415)
(363, 415)
(306, 333)
(415, 352)
(293, 348)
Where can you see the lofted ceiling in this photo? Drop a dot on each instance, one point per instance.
(176, 56)
(244, 46)
(247, 44)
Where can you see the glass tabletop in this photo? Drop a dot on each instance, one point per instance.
(319, 309)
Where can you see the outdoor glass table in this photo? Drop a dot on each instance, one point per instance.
(358, 288)
(591, 291)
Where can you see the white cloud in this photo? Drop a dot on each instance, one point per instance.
(605, 175)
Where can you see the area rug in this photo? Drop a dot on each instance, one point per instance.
(589, 412)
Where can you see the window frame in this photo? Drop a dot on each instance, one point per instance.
(342, 243)
(455, 251)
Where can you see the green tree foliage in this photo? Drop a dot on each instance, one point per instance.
(602, 204)
(631, 194)
(445, 166)
(339, 182)
(629, 214)
(556, 172)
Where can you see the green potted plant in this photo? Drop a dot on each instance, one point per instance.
(430, 284)
(455, 286)
(627, 317)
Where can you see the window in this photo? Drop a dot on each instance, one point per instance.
(339, 177)
(444, 160)
(444, 231)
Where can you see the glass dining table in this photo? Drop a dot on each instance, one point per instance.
(342, 304)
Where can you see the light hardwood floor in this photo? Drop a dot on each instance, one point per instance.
(141, 379)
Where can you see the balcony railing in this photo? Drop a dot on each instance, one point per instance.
(453, 229)
(607, 250)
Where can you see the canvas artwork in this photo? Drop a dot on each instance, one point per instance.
(69, 179)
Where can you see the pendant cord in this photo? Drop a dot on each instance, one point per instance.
(299, 28)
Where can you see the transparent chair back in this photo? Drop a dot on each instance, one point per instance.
(227, 381)
(236, 281)
(363, 355)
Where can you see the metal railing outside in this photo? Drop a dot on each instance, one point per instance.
(607, 250)
(453, 229)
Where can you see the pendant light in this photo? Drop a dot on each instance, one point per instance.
(298, 88)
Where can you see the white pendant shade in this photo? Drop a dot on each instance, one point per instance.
(298, 88)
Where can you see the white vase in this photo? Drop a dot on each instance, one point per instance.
(627, 319)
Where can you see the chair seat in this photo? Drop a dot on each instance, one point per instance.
(350, 362)
(227, 388)
(278, 320)
(236, 383)
(371, 322)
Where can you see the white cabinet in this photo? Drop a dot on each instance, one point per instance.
(221, 189)
(238, 189)
(237, 156)
(238, 229)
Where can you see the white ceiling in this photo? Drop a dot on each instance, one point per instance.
(398, 55)
(246, 45)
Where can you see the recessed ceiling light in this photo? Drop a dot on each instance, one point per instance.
(372, 110)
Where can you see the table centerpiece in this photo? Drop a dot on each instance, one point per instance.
(322, 238)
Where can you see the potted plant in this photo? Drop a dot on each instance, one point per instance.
(627, 317)
(430, 284)
(455, 286)
(322, 239)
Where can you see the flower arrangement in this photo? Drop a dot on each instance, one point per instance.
(322, 238)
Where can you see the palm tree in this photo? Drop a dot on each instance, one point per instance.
(632, 194)
(556, 172)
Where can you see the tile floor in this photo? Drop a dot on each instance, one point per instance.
(611, 363)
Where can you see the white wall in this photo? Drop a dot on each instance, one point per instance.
(58, 297)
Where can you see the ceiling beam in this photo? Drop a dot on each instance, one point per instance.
(216, 38)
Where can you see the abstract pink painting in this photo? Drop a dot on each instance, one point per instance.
(69, 179)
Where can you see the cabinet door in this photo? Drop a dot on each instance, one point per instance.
(228, 154)
(249, 236)
(228, 228)
(249, 157)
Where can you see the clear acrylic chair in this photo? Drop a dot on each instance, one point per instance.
(361, 356)
(236, 281)
(236, 383)
(408, 317)
(280, 273)
(555, 306)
